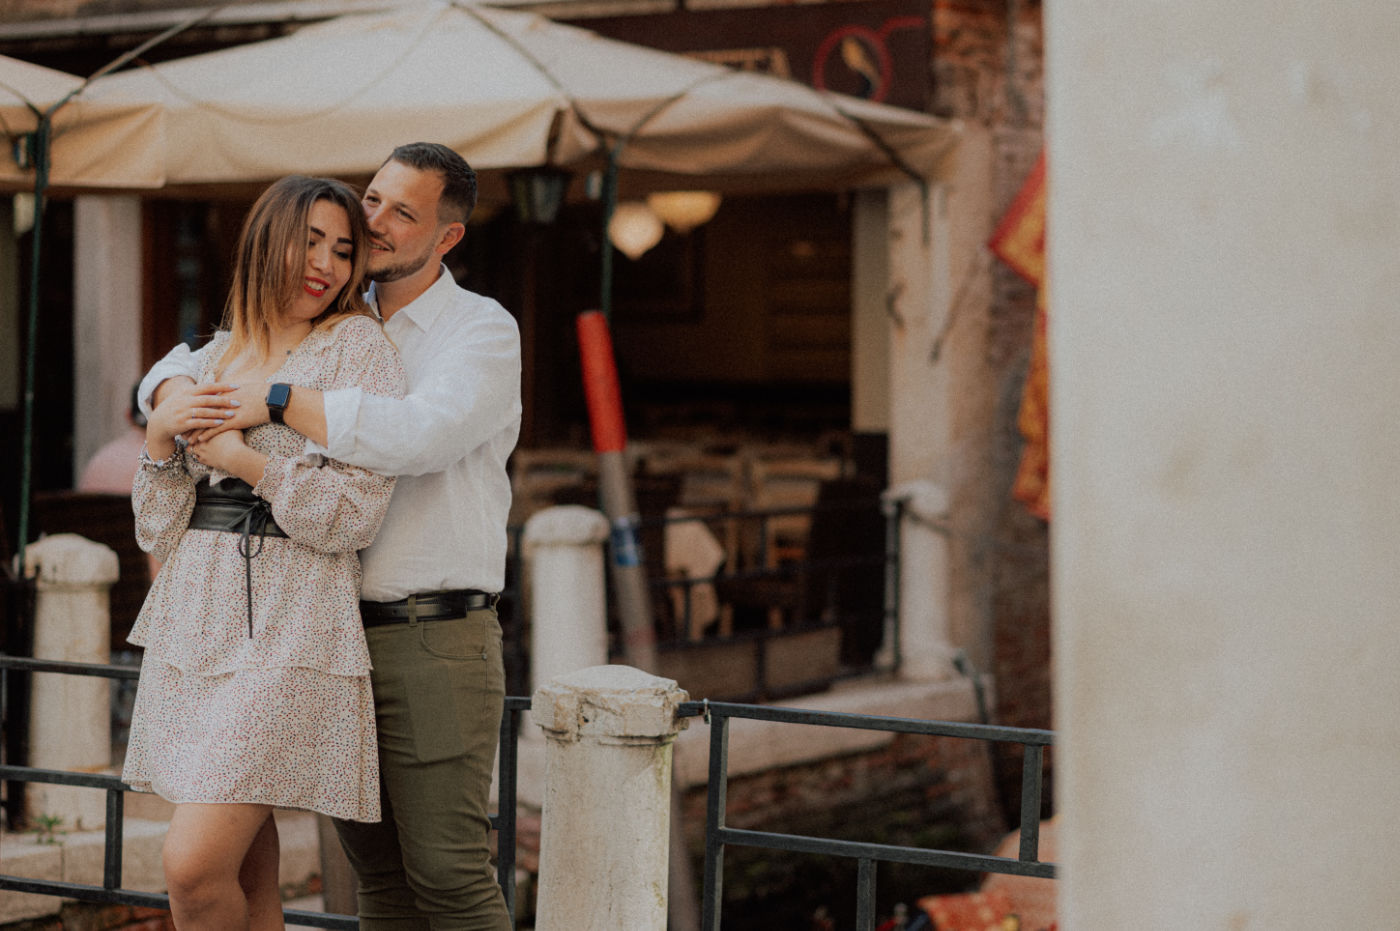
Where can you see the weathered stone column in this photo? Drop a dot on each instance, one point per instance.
(925, 644)
(70, 723)
(107, 244)
(568, 607)
(607, 799)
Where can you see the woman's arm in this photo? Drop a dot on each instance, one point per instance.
(162, 497)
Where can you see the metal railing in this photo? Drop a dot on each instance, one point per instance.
(111, 892)
(717, 836)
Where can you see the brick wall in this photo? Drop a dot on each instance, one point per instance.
(1000, 553)
(77, 916)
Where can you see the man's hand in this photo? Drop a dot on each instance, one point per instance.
(249, 409)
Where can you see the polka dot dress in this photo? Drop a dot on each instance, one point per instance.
(284, 717)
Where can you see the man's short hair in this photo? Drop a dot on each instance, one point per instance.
(458, 198)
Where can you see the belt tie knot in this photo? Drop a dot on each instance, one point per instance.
(234, 508)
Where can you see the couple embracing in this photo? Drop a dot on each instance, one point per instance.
(325, 483)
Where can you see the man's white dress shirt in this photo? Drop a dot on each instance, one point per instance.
(448, 441)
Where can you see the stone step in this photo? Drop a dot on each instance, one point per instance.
(77, 856)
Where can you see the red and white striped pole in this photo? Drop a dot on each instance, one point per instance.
(615, 486)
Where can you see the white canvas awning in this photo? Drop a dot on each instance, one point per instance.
(117, 144)
(497, 85)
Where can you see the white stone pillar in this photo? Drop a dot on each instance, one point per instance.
(917, 303)
(607, 802)
(936, 296)
(925, 645)
(106, 318)
(568, 600)
(70, 724)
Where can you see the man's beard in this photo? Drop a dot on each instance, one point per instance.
(397, 269)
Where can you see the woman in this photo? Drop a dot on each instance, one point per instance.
(254, 688)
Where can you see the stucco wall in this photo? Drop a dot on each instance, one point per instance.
(1226, 208)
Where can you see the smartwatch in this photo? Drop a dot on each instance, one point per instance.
(279, 396)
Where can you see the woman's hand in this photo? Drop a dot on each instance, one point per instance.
(219, 451)
(228, 453)
(248, 410)
(185, 408)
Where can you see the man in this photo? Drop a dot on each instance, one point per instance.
(432, 573)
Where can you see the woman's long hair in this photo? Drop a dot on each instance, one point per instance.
(269, 263)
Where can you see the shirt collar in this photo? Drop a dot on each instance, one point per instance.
(424, 309)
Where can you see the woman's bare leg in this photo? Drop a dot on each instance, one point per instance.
(260, 880)
(204, 855)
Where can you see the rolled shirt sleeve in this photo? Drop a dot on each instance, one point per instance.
(464, 390)
(180, 361)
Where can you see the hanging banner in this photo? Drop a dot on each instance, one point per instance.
(1019, 241)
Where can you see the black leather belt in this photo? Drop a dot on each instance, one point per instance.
(427, 606)
(232, 507)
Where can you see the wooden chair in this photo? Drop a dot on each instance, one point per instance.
(788, 483)
(709, 484)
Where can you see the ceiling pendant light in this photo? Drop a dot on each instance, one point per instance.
(634, 228)
(684, 210)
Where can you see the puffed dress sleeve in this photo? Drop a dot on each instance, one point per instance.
(162, 497)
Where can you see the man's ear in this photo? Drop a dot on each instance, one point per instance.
(452, 234)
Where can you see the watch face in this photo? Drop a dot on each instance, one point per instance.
(278, 395)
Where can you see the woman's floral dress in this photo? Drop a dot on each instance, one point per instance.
(285, 716)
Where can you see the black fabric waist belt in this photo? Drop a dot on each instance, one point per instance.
(234, 508)
(426, 606)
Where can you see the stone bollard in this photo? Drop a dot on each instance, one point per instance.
(568, 607)
(607, 800)
(925, 645)
(70, 723)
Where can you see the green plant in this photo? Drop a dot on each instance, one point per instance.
(47, 829)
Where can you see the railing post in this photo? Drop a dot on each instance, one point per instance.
(607, 800)
(568, 607)
(925, 644)
(70, 716)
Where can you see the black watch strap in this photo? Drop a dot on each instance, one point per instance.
(279, 395)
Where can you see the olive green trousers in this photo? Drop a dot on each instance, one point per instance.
(439, 690)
